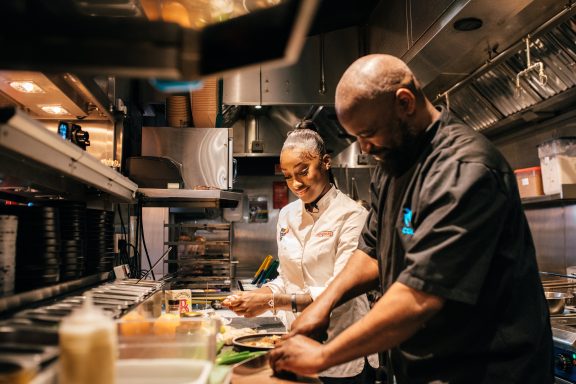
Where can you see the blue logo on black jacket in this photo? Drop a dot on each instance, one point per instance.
(407, 228)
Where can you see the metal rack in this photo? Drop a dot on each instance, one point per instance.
(201, 255)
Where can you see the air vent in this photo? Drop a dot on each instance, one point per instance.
(492, 95)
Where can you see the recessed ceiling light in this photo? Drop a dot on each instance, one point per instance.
(468, 24)
(257, 107)
(26, 87)
(54, 109)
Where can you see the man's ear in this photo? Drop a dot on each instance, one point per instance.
(405, 101)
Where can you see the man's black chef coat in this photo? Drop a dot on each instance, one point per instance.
(452, 225)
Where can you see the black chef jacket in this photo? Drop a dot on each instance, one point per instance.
(451, 224)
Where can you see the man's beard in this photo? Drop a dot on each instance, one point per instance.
(395, 160)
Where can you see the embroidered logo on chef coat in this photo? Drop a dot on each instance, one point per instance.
(407, 228)
(283, 232)
(325, 234)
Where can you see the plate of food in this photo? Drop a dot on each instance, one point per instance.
(258, 342)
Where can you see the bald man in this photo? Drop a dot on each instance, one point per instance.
(446, 241)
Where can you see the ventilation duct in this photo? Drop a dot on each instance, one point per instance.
(489, 98)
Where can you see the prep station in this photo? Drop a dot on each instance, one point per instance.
(139, 161)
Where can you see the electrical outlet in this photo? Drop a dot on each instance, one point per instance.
(257, 146)
(122, 272)
(363, 159)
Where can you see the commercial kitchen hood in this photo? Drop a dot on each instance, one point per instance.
(505, 94)
(474, 50)
(472, 70)
(73, 36)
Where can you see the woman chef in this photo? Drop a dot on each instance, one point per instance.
(316, 235)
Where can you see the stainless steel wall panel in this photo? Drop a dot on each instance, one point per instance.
(253, 241)
(361, 177)
(547, 226)
(300, 83)
(153, 220)
(204, 153)
(570, 234)
(520, 149)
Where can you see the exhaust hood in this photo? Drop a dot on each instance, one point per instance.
(74, 36)
(492, 99)
(477, 69)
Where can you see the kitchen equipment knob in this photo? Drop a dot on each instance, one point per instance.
(563, 363)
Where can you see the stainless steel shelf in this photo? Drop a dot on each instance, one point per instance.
(26, 142)
(212, 198)
(20, 300)
(225, 227)
(567, 195)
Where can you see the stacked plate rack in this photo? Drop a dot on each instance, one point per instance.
(200, 255)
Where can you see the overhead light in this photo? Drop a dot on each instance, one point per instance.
(257, 107)
(468, 24)
(54, 109)
(26, 87)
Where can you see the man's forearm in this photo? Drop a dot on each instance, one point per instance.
(358, 276)
(399, 314)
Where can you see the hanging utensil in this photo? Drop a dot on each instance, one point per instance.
(354, 189)
(347, 177)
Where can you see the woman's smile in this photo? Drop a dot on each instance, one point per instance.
(302, 192)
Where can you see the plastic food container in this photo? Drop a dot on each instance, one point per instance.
(558, 163)
(529, 182)
(167, 371)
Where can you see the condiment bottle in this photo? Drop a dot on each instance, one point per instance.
(88, 347)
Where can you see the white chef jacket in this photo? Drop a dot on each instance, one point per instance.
(313, 248)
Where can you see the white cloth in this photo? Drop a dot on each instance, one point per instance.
(313, 248)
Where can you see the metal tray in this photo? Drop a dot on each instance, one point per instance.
(240, 342)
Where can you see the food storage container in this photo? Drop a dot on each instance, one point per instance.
(529, 181)
(168, 336)
(558, 163)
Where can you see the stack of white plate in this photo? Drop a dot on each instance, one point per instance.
(178, 111)
(204, 104)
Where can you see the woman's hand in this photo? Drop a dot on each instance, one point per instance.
(248, 304)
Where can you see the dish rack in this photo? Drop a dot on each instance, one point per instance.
(200, 256)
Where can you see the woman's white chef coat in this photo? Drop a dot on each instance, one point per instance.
(313, 248)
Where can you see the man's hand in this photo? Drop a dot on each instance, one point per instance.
(248, 304)
(300, 355)
(313, 322)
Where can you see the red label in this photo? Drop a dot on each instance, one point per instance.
(280, 194)
(184, 306)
